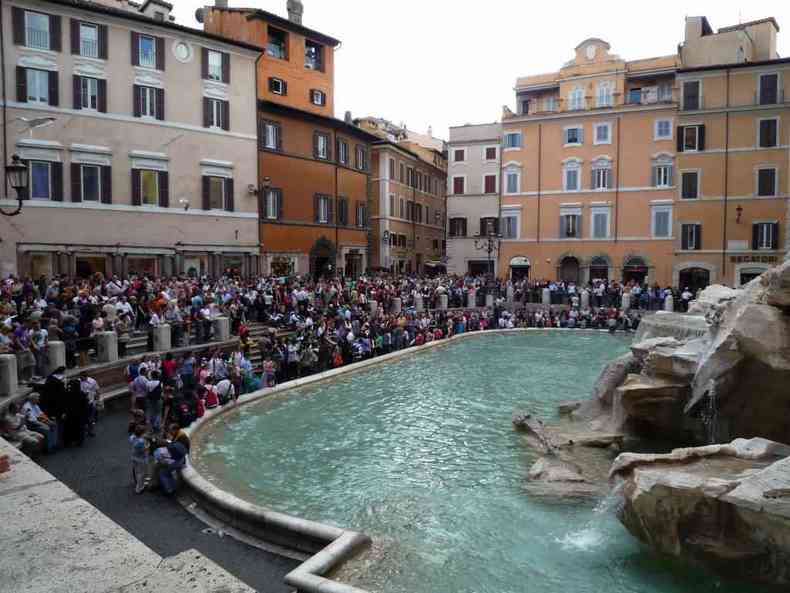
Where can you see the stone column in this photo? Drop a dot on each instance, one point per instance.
(221, 329)
(443, 302)
(669, 303)
(57, 356)
(162, 337)
(546, 299)
(396, 305)
(626, 302)
(585, 300)
(107, 346)
(8, 379)
(418, 306)
(490, 301)
(471, 298)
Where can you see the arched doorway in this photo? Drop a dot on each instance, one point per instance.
(519, 268)
(635, 269)
(599, 268)
(694, 279)
(322, 258)
(569, 269)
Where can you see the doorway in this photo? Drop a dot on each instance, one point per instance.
(88, 266)
(569, 270)
(694, 279)
(635, 270)
(599, 269)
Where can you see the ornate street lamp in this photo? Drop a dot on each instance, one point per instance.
(17, 173)
(488, 243)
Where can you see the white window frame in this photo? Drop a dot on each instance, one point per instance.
(140, 54)
(342, 152)
(768, 224)
(223, 181)
(572, 211)
(48, 164)
(567, 129)
(566, 168)
(576, 99)
(215, 76)
(654, 211)
(148, 99)
(759, 121)
(318, 97)
(89, 87)
(518, 146)
(696, 237)
(95, 53)
(550, 103)
(278, 86)
(28, 28)
(664, 170)
(700, 101)
(40, 75)
(322, 141)
(778, 87)
(608, 126)
(271, 131)
(452, 188)
(656, 125)
(98, 184)
(143, 203)
(757, 170)
(603, 95)
(323, 209)
(517, 174)
(216, 114)
(680, 184)
(510, 213)
(696, 128)
(270, 204)
(597, 210)
(456, 150)
(605, 167)
(496, 153)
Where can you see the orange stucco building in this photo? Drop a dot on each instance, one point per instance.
(671, 169)
(314, 169)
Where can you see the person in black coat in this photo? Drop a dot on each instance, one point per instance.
(54, 397)
(77, 414)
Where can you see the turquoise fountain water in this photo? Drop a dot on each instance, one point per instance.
(420, 454)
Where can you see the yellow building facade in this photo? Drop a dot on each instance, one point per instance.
(670, 170)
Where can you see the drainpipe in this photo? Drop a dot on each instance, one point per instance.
(336, 199)
(258, 156)
(617, 182)
(5, 98)
(726, 178)
(540, 160)
(499, 211)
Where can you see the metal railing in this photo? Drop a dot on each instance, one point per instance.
(89, 48)
(37, 38)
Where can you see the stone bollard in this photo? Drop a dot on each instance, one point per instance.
(443, 302)
(374, 307)
(669, 303)
(418, 305)
(107, 346)
(221, 327)
(161, 337)
(8, 380)
(57, 356)
(626, 301)
(489, 301)
(585, 300)
(471, 298)
(546, 296)
(396, 306)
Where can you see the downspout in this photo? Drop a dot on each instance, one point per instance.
(414, 218)
(336, 199)
(617, 182)
(726, 177)
(499, 212)
(258, 157)
(5, 98)
(540, 159)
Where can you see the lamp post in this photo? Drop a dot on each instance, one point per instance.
(488, 243)
(17, 173)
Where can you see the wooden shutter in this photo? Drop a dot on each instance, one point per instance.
(680, 134)
(684, 236)
(775, 235)
(136, 100)
(74, 28)
(54, 95)
(106, 184)
(77, 92)
(225, 111)
(76, 182)
(278, 198)
(206, 112)
(315, 145)
(670, 175)
(230, 202)
(204, 63)
(226, 67)
(136, 197)
(102, 99)
(206, 192)
(103, 44)
(160, 53)
(55, 36)
(563, 228)
(21, 84)
(581, 135)
(698, 235)
(164, 189)
(160, 104)
(701, 137)
(316, 208)
(755, 237)
(653, 176)
(135, 48)
(329, 209)
(57, 181)
(18, 24)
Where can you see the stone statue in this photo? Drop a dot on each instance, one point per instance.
(295, 11)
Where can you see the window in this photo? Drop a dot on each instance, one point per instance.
(323, 209)
(402, 208)
(512, 182)
(402, 173)
(273, 205)
(89, 93)
(663, 129)
(321, 146)
(691, 95)
(214, 65)
(570, 177)
(277, 44)
(600, 223)
(603, 133)
(689, 185)
(574, 135)
(766, 181)
(604, 95)
(272, 135)
(37, 86)
(216, 193)
(278, 86)
(459, 155)
(510, 227)
(361, 215)
(458, 227)
(513, 140)
(37, 30)
(89, 40)
(313, 55)
(662, 174)
(665, 92)
(769, 89)
(392, 168)
(768, 133)
(765, 235)
(91, 183)
(149, 188)
(147, 51)
(392, 206)
(361, 158)
(524, 107)
(691, 138)
(602, 176)
(342, 211)
(691, 237)
(662, 222)
(490, 153)
(576, 99)
(550, 103)
(570, 225)
(40, 180)
(318, 97)
(342, 152)
(489, 184)
(147, 99)
(458, 185)
(216, 113)
(489, 225)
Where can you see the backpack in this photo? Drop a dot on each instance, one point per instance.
(133, 370)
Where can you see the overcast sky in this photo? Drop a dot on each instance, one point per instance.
(442, 63)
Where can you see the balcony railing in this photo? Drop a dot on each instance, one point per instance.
(773, 98)
(89, 48)
(275, 50)
(37, 38)
(148, 57)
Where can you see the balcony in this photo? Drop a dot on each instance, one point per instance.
(89, 48)
(276, 50)
(38, 38)
(649, 96)
(772, 97)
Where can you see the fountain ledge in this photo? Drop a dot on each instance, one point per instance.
(328, 546)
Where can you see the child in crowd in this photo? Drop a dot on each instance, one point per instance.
(139, 458)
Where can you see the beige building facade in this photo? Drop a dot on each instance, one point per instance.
(147, 159)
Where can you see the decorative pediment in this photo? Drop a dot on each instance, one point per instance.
(148, 79)
(215, 90)
(37, 61)
(90, 69)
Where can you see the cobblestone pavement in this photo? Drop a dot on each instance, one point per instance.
(100, 473)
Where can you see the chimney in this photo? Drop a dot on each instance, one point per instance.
(221, 3)
(295, 10)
